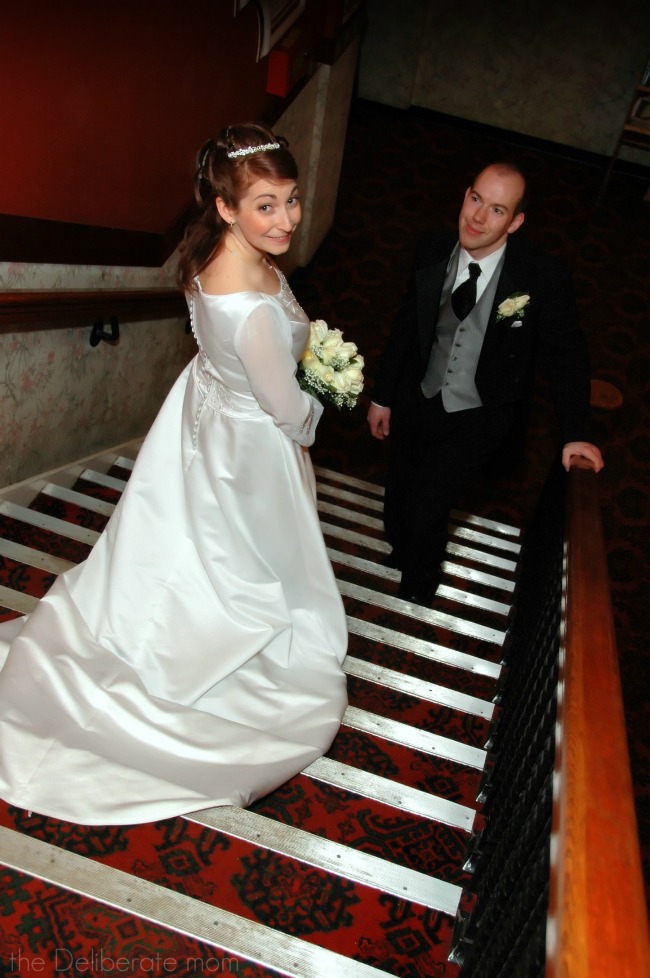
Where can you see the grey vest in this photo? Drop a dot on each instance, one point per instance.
(457, 346)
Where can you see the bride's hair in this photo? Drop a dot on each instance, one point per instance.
(226, 167)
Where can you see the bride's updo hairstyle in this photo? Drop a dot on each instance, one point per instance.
(226, 167)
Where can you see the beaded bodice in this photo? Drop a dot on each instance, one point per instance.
(217, 323)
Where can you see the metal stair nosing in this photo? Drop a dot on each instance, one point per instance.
(440, 619)
(375, 500)
(332, 857)
(65, 475)
(423, 690)
(391, 793)
(470, 533)
(428, 650)
(45, 522)
(219, 929)
(378, 570)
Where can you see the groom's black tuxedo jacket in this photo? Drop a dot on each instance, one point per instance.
(549, 331)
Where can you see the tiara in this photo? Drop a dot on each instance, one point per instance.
(252, 149)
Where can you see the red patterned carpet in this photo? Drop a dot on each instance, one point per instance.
(45, 924)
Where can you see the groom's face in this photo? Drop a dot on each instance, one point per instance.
(488, 216)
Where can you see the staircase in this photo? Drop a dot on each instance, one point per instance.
(358, 865)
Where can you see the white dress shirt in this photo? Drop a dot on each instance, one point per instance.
(487, 266)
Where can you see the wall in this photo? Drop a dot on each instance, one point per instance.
(559, 70)
(107, 105)
(102, 110)
(315, 125)
(60, 398)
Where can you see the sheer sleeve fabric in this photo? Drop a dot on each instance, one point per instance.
(263, 343)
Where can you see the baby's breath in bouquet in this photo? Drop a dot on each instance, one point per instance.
(331, 370)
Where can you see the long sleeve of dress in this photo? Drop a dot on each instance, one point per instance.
(263, 343)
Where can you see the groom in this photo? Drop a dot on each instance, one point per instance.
(458, 368)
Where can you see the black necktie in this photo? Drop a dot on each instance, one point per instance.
(463, 299)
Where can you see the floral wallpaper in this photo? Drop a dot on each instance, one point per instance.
(558, 71)
(62, 399)
(22, 275)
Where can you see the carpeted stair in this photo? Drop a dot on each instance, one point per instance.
(354, 867)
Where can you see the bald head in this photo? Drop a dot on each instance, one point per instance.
(492, 209)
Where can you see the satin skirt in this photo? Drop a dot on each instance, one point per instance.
(195, 657)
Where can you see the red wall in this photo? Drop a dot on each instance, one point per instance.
(104, 105)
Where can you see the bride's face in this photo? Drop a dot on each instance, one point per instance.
(267, 216)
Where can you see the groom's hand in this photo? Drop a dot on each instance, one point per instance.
(379, 421)
(582, 450)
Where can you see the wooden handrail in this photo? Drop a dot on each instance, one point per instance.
(598, 925)
(28, 310)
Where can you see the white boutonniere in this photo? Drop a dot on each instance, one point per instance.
(514, 304)
(330, 369)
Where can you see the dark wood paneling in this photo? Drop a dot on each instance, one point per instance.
(28, 239)
(40, 310)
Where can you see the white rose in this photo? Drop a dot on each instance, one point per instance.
(333, 340)
(317, 331)
(512, 305)
(330, 348)
(354, 378)
(309, 360)
(324, 371)
(342, 381)
(349, 350)
(325, 355)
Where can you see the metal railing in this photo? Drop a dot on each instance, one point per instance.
(558, 887)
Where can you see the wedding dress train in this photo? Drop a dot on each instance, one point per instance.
(194, 658)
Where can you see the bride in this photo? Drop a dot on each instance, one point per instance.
(194, 659)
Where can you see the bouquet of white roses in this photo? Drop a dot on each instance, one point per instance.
(331, 370)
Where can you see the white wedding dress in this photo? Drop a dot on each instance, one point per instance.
(194, 658)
